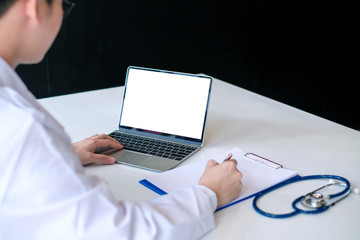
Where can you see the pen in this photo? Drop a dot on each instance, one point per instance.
(229, 157)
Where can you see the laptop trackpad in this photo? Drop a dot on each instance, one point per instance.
(142, 160)
(133, 158)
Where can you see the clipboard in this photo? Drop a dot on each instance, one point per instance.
(259, 174)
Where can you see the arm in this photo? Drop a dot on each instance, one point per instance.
(187, 213)
(184, 214)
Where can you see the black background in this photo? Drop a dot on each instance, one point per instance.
(303, 53)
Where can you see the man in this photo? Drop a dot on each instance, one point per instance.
(44, 192)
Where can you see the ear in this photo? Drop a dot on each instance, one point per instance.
(31, 8)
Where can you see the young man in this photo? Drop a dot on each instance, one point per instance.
(44, 192)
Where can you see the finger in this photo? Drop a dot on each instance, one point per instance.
(107, 143)
(211, 163)
(101, 136)
(94, 136)
(240, 174)
(231, 161)
(99, 158)
(105, 136)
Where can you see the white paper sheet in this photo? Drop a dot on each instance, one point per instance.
(256, 176)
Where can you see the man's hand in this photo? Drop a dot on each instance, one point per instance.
(224, 179)
(86, 148)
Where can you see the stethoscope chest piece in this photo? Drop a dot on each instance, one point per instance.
(313, 200)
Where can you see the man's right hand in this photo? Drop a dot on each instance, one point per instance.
(224, 179)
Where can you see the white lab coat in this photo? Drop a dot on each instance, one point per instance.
(45, 193)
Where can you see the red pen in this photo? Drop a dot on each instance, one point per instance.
(229, 157)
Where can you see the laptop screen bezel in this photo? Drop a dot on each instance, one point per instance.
(165, 136)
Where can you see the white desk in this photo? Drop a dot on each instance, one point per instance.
(239, 118)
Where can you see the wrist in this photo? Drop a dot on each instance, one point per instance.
(212, 195)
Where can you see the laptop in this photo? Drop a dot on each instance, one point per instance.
(163, 118)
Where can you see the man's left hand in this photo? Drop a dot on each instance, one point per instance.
(87, 147)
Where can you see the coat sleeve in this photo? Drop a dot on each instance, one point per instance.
(184, 214)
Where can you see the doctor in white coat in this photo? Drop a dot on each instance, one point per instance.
(44, 191)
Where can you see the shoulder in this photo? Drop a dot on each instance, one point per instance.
(15, 114)
(15, 111)
(37, 159)
(28, 130)
(23, 124)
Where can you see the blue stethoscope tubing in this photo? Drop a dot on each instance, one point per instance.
(294, 203)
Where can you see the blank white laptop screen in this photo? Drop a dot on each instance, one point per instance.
(164, 102)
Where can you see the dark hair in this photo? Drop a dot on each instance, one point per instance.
(6, 4)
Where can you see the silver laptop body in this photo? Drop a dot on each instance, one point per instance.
(166, 111)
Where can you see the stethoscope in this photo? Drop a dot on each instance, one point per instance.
(313, 202)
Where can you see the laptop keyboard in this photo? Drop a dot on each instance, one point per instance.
(152, 146)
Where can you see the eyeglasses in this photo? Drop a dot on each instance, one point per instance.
(67, 7)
